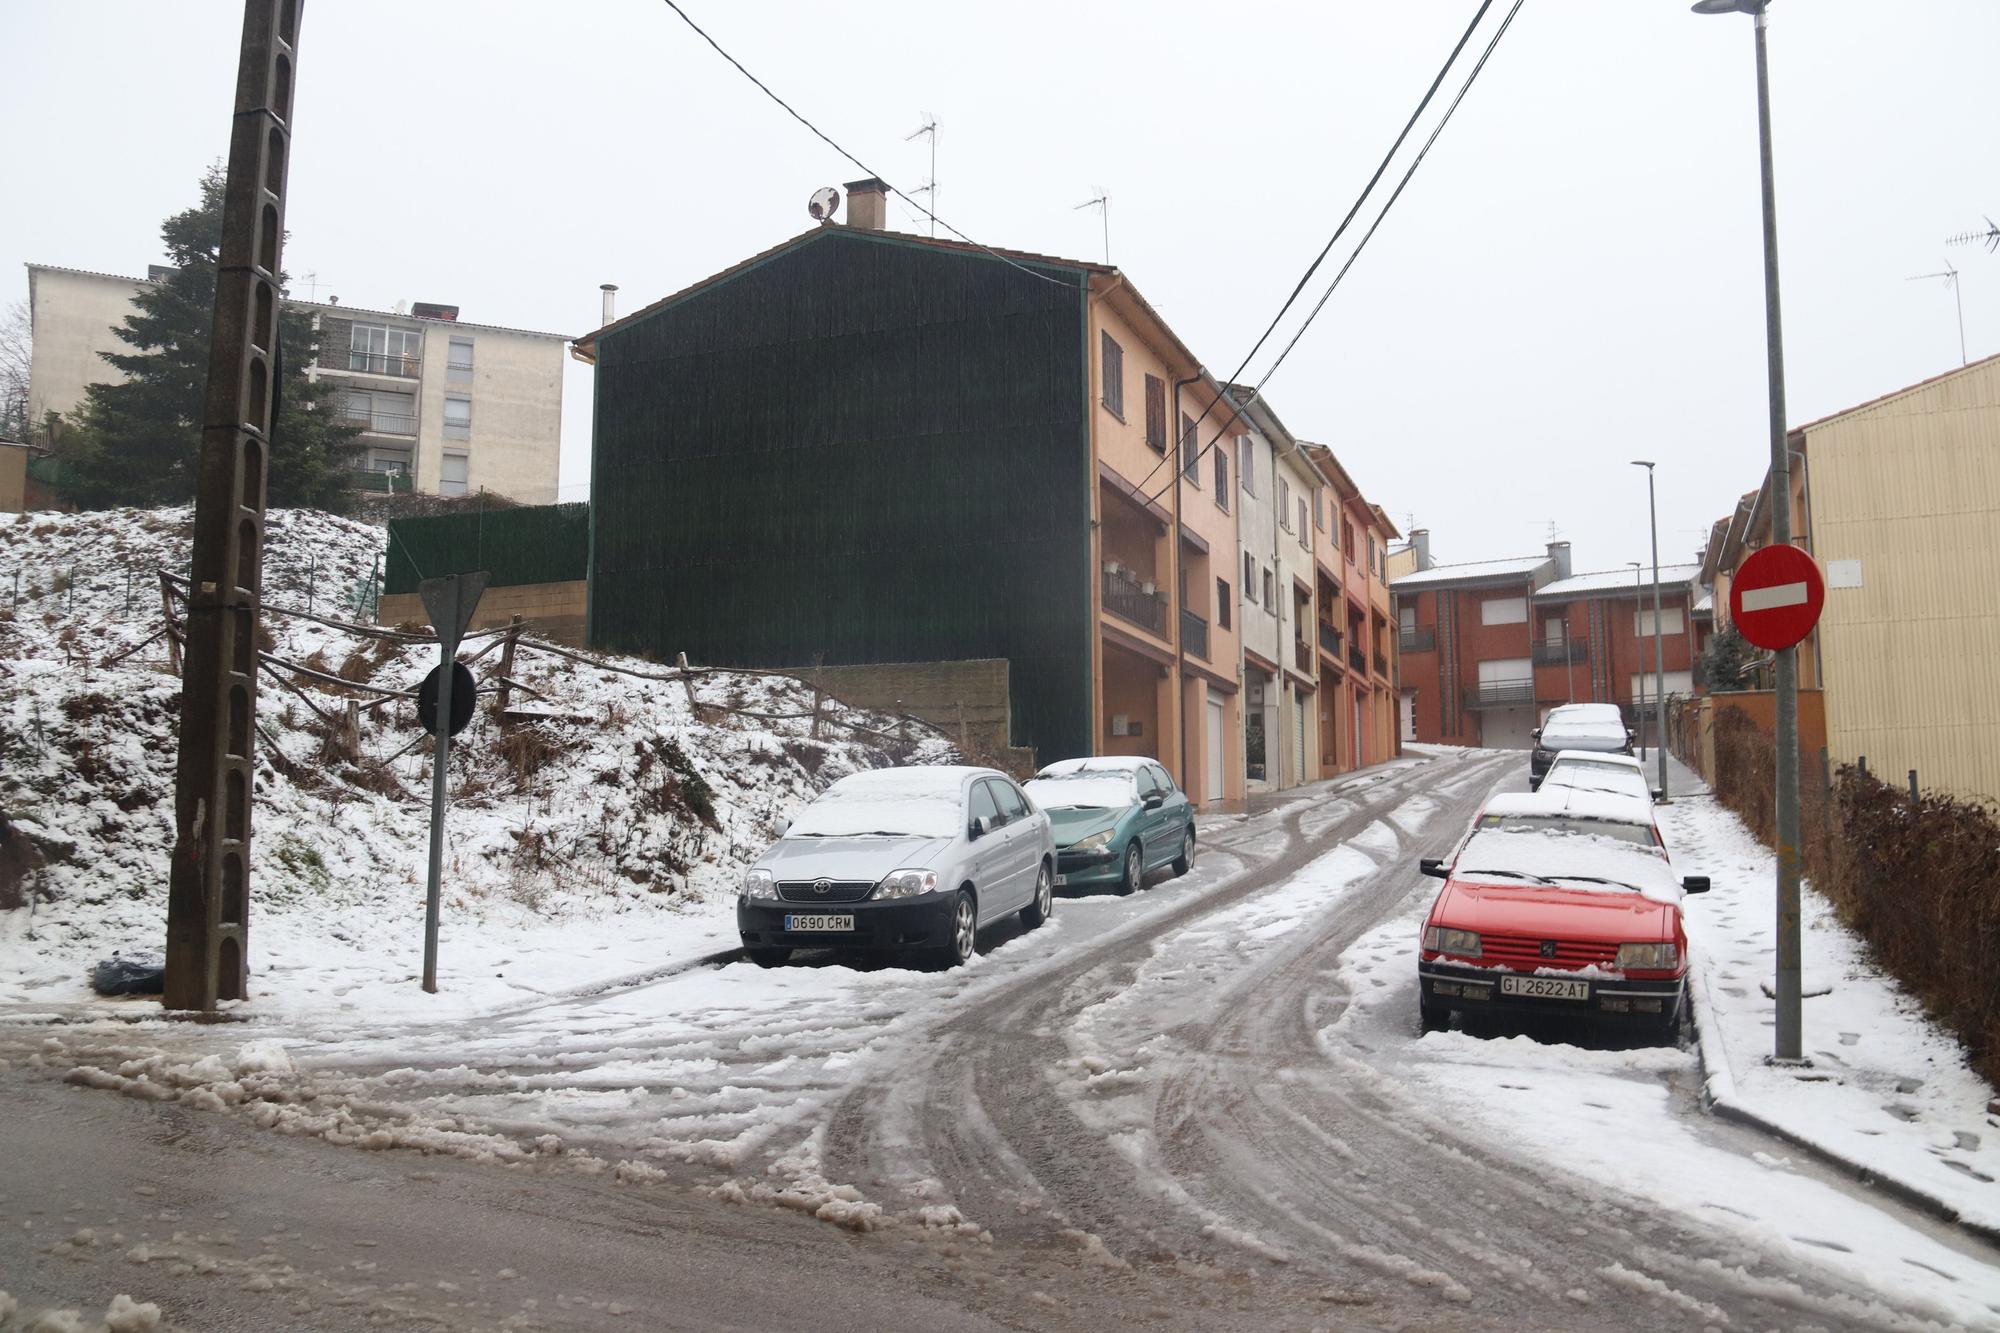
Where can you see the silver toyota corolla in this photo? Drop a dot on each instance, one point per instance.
(908, 859)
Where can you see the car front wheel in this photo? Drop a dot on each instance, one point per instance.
(768, 957)
(1185, 861)
(1044, 902)
(964, 931)
(1135, 871)
(1432, 1017)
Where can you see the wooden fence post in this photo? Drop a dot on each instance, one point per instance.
(351, 731)
(1915, 797)
(687, 681)
(167, 610)
(506, 695)
(964, 741)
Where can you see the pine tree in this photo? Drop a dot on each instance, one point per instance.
(137, 443)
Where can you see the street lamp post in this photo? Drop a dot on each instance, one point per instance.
(1639, 659)
(1659, 652)
(1787, 1045)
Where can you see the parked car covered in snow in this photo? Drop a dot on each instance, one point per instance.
(1593, 770)
(1599, 728)
(911, 860)
(1115, 818)
(1562, 902)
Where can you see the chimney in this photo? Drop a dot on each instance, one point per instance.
(610, 290)
(1420, 542)
(1559, 552)
(868, 205)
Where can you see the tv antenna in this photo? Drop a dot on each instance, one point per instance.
(311, 280)
(1102, 203)
(1990, 237)
(1950, 276)
(930, 187)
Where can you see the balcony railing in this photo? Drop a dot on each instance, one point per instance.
(1501, 694)
(1357, 660)
(1554, 652)
(1127, 598)
(383, 423)
(1418, 639)
(364, 479)
(1381, 665)
(1329, 639)
(1303, 654)
(386, 363)
(1194, 635)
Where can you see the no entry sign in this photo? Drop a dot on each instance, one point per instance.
(1776, 597)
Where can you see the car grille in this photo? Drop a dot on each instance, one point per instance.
(837, 890)
(1520, 951)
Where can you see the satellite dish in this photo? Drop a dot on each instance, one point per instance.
(823, 204)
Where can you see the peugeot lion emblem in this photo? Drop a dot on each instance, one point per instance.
(826, 886)
(1548, 948)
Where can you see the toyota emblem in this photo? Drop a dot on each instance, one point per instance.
(822, 886)
(1548, 948)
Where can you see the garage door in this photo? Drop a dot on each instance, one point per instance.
(1507, 728)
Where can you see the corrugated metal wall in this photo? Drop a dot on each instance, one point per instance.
(1910, 489)
(861, 448)
(528, 544)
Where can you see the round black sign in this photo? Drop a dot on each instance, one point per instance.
(463, 697)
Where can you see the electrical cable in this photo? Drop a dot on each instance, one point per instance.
(828, 141)
(1362, 244)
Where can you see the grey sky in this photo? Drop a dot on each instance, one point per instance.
(1571, 281)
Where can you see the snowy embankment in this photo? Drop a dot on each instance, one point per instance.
(602, 840)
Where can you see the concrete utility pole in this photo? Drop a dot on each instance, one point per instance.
(1788, 1039)
(208, 896)
(1659, 650)
(1638, 605)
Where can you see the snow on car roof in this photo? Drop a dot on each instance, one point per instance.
(1579, 711)
(918, 780)
(1584, 733)
(1572, 803)
(1598, 757)
(1103, 763)
(1566, 856)
(921, 801)
(1090, 789)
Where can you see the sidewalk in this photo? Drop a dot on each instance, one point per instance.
(1887, 1094)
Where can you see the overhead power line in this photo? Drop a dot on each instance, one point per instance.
(1333, 240)
(827, 139)
(1366, 236)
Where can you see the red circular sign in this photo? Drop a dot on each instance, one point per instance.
(1776, 597)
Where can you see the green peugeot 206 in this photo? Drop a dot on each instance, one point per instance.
(1115, 819)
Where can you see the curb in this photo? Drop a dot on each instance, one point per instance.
(1719, 1098)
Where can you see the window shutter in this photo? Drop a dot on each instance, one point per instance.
(1114, 375)
(1156, 412)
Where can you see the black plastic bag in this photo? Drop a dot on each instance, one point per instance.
(134, 974)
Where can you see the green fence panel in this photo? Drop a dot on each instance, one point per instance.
(531, 544)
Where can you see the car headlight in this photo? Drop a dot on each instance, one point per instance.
(1648, 957)
(1443, 939)
(1092, 843)
(759, 884)
(906, 883)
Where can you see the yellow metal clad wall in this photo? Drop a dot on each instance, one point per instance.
(1910, 488)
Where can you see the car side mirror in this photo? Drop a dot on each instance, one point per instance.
(1536, 734)
(1432, 866)
(981, 827)
(1695, 884)
(784, 826)
(1155, 801)
(1657, 793)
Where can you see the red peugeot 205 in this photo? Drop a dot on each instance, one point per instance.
(1560, 902)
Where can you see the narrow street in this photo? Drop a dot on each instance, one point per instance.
(1202, 1107)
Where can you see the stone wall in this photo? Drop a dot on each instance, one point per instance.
(553, 610)
(967, 700)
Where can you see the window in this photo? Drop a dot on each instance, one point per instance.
(1270, 593)
(1148, 784)
(1304, 539)
(1246, 464)
(1504, 611)
(380, 350)
(1190, 452)
(1371, 553)
(452, 478)
(982, 805)
(1222, 603)
(1114, 377)
(1284, 504)
(458, 418)
(1249, 576)
(1347, 539)
(1222, 480)
(1670, 621)
(1156, 413)
(1011, 804)
(381, 412)
(458, 361)
(1319, 508)
(1163, 780)
(1645, 684)
(1406, 617)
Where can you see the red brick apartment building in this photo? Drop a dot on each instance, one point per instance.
(1488, 647)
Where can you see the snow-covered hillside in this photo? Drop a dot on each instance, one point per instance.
(620, 801)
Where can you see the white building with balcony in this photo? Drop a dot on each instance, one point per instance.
(445, 407)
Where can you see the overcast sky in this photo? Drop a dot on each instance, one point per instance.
(1571, 281)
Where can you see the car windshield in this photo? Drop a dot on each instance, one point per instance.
(1583, 734)
(891, 803)
(1590, 854)
(1637, 835)
(1084, 791)
(1587, 776)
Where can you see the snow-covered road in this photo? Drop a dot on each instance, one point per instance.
(1207, 1104)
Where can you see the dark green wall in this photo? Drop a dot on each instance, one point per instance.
(524, 544)
(862, 448)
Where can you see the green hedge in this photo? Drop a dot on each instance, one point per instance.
(529, 544)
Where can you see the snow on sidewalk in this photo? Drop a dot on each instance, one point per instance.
(1888, 1091)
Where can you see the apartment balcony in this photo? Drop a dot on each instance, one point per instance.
(1302, 653)
(1194, 635)
(1548, 652)
(384, 363)
(1329, 640)
(399, 424)
(1357, 660)
(1129, 599)
(1501, 694)
(1381, 666)
(1418, 639)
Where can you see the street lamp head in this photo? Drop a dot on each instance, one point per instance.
(1729, 6)
(1646, 463)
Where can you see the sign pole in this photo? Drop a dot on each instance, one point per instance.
(450, 602)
